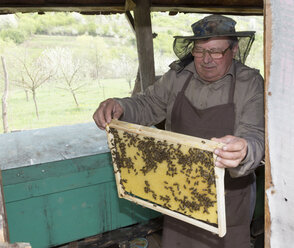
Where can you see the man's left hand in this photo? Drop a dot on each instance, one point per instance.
(232, 153)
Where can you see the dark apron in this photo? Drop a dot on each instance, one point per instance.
(215, 121)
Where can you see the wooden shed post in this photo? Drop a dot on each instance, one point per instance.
(279, 91)
(144, 42)
(267, 59)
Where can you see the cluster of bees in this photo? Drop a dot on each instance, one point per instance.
(193, 165)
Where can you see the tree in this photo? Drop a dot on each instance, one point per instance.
(97, 53)
(126, 65)
(69, 69)
(33, 72)
(129, 67)
(5, 97)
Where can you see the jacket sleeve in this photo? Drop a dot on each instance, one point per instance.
(148, 108)
(251, 127)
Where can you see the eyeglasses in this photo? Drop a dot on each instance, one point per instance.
(213, 54)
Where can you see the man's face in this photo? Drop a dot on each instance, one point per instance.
(211, 69)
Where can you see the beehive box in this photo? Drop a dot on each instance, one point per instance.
(59, 186)
(169, 172)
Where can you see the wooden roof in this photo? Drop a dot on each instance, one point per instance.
(248, 7)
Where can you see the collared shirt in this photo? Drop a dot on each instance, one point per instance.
(156, 104)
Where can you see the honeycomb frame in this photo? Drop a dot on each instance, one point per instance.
(176, 140)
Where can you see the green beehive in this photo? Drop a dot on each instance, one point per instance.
(59, 186)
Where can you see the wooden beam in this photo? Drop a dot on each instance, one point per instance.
(91, 7)
(130, 5)
(121, 9)
(82, 9)
(210, 10)
(144, 42)
(267, 63)
(130, 20)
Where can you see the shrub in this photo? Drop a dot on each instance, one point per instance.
(16, 35)
(92, 29)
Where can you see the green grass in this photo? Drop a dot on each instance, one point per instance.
(57, 107)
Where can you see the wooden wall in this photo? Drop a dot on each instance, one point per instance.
(279, 67)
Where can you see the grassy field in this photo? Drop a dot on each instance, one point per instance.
(57, 107)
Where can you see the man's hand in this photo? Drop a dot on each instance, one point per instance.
(232, 153)
(107, 110)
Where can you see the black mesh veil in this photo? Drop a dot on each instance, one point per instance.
(183, 46)
(244, 44)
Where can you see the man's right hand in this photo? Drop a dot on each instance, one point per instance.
(107, 110)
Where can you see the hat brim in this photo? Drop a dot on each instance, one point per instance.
(236, 34)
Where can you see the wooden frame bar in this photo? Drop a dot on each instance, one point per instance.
(179, 139)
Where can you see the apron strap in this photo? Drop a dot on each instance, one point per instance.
(232, 89)
(186, 84)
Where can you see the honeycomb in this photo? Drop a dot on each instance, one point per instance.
(174, 176)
